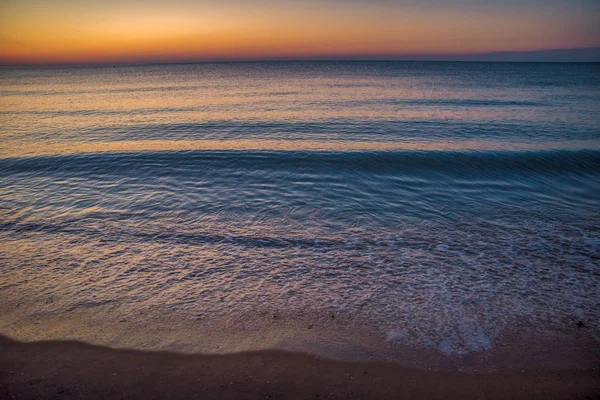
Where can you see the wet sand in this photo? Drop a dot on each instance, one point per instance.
(56, 369)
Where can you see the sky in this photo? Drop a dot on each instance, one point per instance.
(113, 31)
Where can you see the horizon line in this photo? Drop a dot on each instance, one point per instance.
(557, 55)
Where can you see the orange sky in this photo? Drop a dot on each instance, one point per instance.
(69, 31)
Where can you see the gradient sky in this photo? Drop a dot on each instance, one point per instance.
(75, 31)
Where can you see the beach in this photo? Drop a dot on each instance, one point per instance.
(57, 369)
(300, 229)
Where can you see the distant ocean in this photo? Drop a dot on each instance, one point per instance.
(293, 204)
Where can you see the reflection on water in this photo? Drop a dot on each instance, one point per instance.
(16, 150)
(441, 202)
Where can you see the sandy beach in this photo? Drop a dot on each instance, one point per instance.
(75, 370)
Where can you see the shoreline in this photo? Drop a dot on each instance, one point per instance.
(69, 369)
(524, 345)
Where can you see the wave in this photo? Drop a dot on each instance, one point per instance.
(376, 161)
(196, 238)
(337, 127)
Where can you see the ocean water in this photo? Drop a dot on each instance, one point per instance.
(437, 203)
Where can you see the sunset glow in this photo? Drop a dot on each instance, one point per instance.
(65, 31)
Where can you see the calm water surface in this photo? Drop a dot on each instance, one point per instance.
(441, 202)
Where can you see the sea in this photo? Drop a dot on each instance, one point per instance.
(363, 210)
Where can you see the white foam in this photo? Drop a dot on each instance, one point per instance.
(396, 336)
